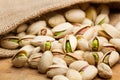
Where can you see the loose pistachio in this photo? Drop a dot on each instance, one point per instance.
(22, 28)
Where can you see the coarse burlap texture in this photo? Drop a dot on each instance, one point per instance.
(16, 12)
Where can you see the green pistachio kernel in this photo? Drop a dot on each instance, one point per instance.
(58, 33)
(48, 45)
(96, 57)
(14, 40)
(81, 72)
(68, 47)
(101, 22)
(20, 55)
(95, 45)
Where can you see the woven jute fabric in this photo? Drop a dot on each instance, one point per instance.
(16, 12)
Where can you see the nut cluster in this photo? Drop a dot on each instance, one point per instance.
(79, 44)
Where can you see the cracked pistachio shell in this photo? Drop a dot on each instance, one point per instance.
(34, 59)
(102, 18)
(57, 60)
(45, 32)
(75, 15)
(112, 31)
(56, 20)
(9, 42)
(38, 40)
(104, 70)
(45, 61)
(62, 30)
(22, 28)
(88, 22)
(36, 27)
(26, 40)
(78, 65)
(116, 43)
(69, 43)
(91, 13)
(89, 73)
(93, 58)
(111, 58)
(22, 34)
(73, 75)
(56, 69)
(117, 26)
(60, 77)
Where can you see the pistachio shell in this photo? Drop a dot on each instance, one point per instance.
(56, 20)
(75, 15)
(117, 26)
(22, 34)
(57, 69)
(73, 75)
(45, 61)
(35, 27)
(89, 73)
(60, 77)
(104, 70)
(57, 60)
(84, 6)
(112, 31)
(103, 9)
(22, 28)
(88, 22)
(78, 65)
(61, 30)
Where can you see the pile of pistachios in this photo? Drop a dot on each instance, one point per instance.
(77, 44)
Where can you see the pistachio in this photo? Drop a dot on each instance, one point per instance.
(22, 34)
(57, 60)
(60, 77)
(88, 22)
(22, 28)
(117, 26)
(103, 9)
(75, 15)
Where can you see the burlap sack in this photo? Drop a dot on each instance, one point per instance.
(16, 12)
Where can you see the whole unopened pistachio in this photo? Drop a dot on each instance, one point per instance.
(75, 15)
(22, 34)
(60, 77)
(35, 27)
(57, 60)
(104, 70)
(103, 9)
(45, 61)
(9, 42)
(22, 28)
(56, 20)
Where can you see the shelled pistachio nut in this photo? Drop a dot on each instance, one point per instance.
(60, 77)
(69, 43)
(45, 61)
(56, 69)
(9, 42)
(104, 70)
(75, 15)
(61, 30)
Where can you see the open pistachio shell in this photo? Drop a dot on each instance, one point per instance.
(69, 43)
(89, 73)
(26, 40)
(45, 61)
(22, 28)
(78, 65)
(93, 57)
(104, 70)
(57, 60)
(75, 15)
(112, 31)
(61, 30)
(116, 43)
(57, 69)
(36, 27)
(56, 20)
(60, 77)
(73, 75)
(34, 59)
(10, 42)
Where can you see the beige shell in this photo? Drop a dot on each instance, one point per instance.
(72, 40)
(57, 60)
(112, 31)
(75, 15)
(104, 70)
(26, 40)
(87, 22)
(103, 9)
(93, 58)
(35, 27)
(89, 73)
(78, 54)
(60, 77)
(78, 65)
(116, 43)
(45, 61)
(117, 26)
(56, 20)
(73, 75)
(22, 34)
(9, 42)
(37, 41)
(65, 28)
(22, 28)
(34, 59)
(56, 69)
